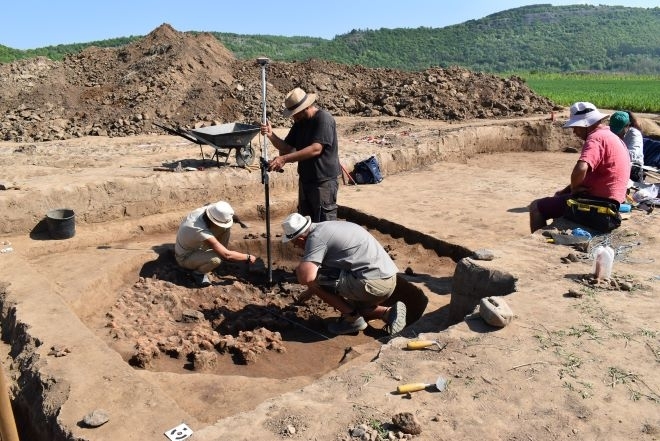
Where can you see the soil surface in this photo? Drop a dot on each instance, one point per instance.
(181, 80)
(106, 321)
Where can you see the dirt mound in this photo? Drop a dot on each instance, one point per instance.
(192, 80)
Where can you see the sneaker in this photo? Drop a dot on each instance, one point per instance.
(396, 318)
(348, 324)
(202, 280)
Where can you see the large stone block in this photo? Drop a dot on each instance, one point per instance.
(471, 283)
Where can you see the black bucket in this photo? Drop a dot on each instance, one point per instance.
(61, 223)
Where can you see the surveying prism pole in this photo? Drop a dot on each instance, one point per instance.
(263, 62)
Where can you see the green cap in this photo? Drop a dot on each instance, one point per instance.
(619, 121)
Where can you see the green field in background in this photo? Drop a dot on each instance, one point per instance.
(607, 91)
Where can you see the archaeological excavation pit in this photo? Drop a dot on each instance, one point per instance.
(176, 351)
(242, 326)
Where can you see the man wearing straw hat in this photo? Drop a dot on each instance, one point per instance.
(203, 238)
(312, 143)
(348, 269)
(601, 171)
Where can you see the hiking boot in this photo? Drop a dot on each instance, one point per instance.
(201, 279)
(348, 324)
(396, 318)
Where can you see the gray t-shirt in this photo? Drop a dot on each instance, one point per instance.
(347, 246)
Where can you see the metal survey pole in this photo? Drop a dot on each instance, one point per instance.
(263, 62)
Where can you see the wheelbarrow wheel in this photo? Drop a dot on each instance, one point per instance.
(244, 156)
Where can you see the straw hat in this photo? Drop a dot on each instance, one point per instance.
(294, 225)
(221, 214)
(584, 114)
(296, 101)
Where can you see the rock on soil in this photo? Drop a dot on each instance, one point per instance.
(188, 81)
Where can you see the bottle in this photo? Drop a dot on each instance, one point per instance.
(603, 261)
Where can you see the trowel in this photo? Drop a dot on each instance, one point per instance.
(440, 385)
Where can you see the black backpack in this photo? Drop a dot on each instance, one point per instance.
(599, 214)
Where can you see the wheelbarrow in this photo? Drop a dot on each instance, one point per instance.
(223, 138)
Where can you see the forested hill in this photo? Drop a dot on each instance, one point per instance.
(530, 38)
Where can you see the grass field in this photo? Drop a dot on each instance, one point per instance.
(629, 92)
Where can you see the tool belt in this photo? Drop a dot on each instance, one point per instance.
(599, 214)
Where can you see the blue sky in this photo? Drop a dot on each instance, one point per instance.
(29, 24)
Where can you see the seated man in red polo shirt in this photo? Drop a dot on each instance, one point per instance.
(602, 170)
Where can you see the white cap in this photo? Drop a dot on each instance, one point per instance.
(584, 114)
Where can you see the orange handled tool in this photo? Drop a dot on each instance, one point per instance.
(440, 385)
(412, 387)
(421, 344)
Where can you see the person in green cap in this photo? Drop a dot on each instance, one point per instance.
(625, 126)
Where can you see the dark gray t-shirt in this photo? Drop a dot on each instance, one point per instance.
(347, 246)
(322, 129)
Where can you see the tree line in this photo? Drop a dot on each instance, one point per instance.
(542, 38)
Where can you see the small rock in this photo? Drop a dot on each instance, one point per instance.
(96, 418)
(626, 286)
(358, 432)
(483, 254)
(574, 293)
(407, 422)
(204, 360)
(572, 257)
(192, 316)
(290, 430)
(409, 271)
(59, 351)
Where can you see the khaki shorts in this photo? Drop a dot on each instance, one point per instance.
(205, 259)
(364, 292)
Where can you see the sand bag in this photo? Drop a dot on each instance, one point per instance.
(495, 311)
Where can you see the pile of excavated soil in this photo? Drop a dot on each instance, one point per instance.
(190, 80)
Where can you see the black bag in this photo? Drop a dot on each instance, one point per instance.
(599, 214)
(367, 171)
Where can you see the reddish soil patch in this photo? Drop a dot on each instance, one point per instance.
(242, 323)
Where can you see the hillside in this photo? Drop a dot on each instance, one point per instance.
(539, 37)
(185, 80)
